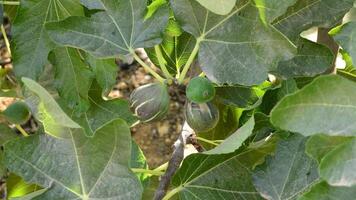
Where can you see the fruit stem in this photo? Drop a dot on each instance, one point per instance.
(147, 171)
(146, 67)
(161, 62)
(22, 131)
(7, 43)
(190, 61)
(207, 141)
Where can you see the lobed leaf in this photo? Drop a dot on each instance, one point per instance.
(226, 176)
(78, 167)
(306, 14)
(289, 173)
(31, 41)
(236, 48)
(118, 30)
(326, 106)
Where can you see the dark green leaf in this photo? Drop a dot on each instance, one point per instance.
(306, 14)
(31, 41)
(312, 59)
(105, 71)
(273, 96)
(338, 166)
(73, 78)
(323, 191)
(240, 96)
(289, 173)
(237, 48)
(101, 111)
(320, 145)
(326, 106)
(118, 30)
(6, 134)
(271, 9)
(54, 120)
(78, 167)
(226, 176)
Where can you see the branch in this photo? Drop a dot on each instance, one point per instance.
(186, 137)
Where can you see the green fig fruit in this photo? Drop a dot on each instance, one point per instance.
(150, 102)
(202, 117)
(200, 90)
(17, 113)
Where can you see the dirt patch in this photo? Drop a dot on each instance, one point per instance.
(155, 138)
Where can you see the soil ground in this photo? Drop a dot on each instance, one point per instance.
(154, 138)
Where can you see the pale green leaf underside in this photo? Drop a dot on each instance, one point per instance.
(338, 167)
(55, 121)
(31, 41)
(287, 174)
(237, 48)
(320, 145)
(323, 191)
(118, 30)
(220, 7)
(78, 167)
(325, 106)
(234, 141)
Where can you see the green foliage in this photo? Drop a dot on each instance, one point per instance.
(286, 136)
(17, 113)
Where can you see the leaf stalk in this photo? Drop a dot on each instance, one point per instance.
(190, 61)
(147, 68)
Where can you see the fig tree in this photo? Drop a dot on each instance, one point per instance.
(201, 117)
(17, 113)
(200, 90)
(150, 102)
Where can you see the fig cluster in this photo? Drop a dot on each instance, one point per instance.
(151, 102)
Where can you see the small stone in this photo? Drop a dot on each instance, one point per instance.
(163, 128)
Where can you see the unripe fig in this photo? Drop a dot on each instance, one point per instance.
(150, 102)
(17, 113)
(201, 117)
(200, 90)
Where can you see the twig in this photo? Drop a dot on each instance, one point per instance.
(174, 163)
